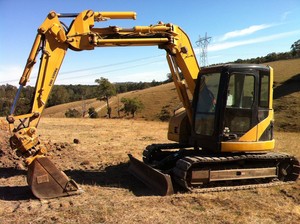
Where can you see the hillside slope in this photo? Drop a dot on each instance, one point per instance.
(287, 94)
(286, 98)
(153, 99)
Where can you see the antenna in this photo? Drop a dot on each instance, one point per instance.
(203, 43)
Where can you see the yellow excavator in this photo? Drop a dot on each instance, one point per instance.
(223, 134)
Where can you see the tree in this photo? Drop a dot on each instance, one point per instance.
(59, 95)
(105, 91)
(132, 105)
(295, 48)
(92, 113)
(271, 57)
(72, 113)
(169, 78)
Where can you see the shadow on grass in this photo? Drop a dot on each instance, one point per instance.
(14, 193)
(290, 86)
(116, 176)
(11, 172)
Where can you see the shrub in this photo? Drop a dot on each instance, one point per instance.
(73, 113)
(164, 114)
(93, 113)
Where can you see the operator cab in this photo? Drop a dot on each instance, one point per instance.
(229, 103)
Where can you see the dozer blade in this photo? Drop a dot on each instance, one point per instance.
(46, 181)
(157, 181)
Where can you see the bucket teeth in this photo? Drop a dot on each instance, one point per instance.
(46, 181)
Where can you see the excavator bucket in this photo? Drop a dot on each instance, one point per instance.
(46, 181)
(157, 181)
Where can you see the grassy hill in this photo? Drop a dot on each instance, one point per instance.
(153, 99)
(286, 98)
(287, 94)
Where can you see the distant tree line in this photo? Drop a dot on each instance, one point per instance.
(7, 95)
(293, 54)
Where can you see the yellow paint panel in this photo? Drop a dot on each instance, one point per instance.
(250, 135)
(256, 132)
(247, 146)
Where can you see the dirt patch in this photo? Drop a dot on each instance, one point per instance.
(8, 158)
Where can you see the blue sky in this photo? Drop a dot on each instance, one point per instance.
(239, 29)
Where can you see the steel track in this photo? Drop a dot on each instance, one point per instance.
(185, 164)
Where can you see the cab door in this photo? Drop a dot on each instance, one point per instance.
(206, 112)
(241, 104)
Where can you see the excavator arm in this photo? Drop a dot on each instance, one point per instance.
(53, 40)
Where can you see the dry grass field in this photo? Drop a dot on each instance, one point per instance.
(99, 164)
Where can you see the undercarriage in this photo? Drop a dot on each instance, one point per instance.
(175, 166)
